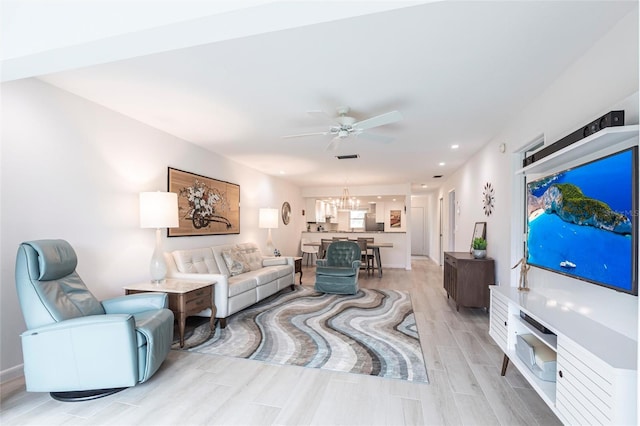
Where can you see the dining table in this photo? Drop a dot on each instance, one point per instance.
(374, 246)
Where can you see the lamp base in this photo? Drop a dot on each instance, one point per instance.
(158, 266)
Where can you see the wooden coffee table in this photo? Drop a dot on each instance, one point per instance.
(186, 298)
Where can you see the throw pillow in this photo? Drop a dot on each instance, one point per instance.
(235, 261)
(252, 254)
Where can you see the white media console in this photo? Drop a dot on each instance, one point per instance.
(596, 366)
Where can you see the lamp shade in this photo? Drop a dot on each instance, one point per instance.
(268, 218)
(158, 210)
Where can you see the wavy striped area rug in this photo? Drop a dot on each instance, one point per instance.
(372, 332)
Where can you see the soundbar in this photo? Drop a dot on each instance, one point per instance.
(535, 324)
(610, 119)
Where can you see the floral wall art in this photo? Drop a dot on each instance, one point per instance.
(206, 206)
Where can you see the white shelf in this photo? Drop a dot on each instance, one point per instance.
(550, 340)
(546, 390)
(603, 139)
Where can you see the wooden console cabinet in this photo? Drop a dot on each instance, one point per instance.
(467, 280)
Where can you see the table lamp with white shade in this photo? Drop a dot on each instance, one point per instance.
(268, 219)
(158, 210)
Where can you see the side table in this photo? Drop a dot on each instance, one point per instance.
(186, 298)
(298, 267)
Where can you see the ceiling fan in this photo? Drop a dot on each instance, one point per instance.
(345, 126)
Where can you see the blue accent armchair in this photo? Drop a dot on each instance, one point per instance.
(338, 271)
(76, 347)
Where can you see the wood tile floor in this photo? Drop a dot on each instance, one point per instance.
(192, 389)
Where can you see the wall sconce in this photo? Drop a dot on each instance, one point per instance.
(268, 218)
(158, 210)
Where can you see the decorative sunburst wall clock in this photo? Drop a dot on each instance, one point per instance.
(488, 199)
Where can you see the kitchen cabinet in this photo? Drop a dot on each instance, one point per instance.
(320, 211)
(380, 212)
(331, 212)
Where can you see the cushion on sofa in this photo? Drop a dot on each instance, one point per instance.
(252, 254)
(196, 261)
(273, 261)
(242, 283)
(235, 261)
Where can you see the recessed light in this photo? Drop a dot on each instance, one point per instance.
(379, 197)
(441, 163)
(455, 146)
(424, 185)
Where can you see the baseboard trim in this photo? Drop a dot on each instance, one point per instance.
(11, 373)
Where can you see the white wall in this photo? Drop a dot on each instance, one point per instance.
(73, 170)
(603, 79)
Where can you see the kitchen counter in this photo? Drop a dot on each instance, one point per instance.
(354, 232)
(398, 256)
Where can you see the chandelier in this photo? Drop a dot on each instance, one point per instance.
(346, 202)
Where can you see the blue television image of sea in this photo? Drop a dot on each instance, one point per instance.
(584, 251)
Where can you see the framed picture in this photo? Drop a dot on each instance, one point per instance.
(395, 219)
(206, 206)
(479, 231)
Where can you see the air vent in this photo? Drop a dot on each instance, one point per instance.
(347, 157)
(437, 176)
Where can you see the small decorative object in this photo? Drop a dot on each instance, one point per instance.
(479, 231)
(479, 248)
(488, 199)
(276, 253)
(524, 268)
(286, 213)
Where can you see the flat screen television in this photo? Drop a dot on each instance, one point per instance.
(583, 222)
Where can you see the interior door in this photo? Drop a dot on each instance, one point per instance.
(441, 231)
(452, 220)
(417, 231)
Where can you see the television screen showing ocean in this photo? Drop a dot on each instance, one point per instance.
(585, 251)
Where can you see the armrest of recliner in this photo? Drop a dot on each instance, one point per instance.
(92, 352)
(356, 264)
(134, 303)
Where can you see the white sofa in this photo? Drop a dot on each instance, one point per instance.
(242, 275)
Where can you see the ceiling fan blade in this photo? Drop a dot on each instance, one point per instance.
(333, 145)
(378, 120)
(306, 134)
(375, 137)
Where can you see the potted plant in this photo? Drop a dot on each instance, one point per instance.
(479, 248)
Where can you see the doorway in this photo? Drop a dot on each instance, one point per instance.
(417, 231)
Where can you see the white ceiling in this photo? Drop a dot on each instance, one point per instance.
(457, 71)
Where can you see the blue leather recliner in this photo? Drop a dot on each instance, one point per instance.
(76, 347)
(338, 271)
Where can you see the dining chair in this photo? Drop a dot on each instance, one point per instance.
(369, 257)
(324, 245)
(310, 251)
(364, 258)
